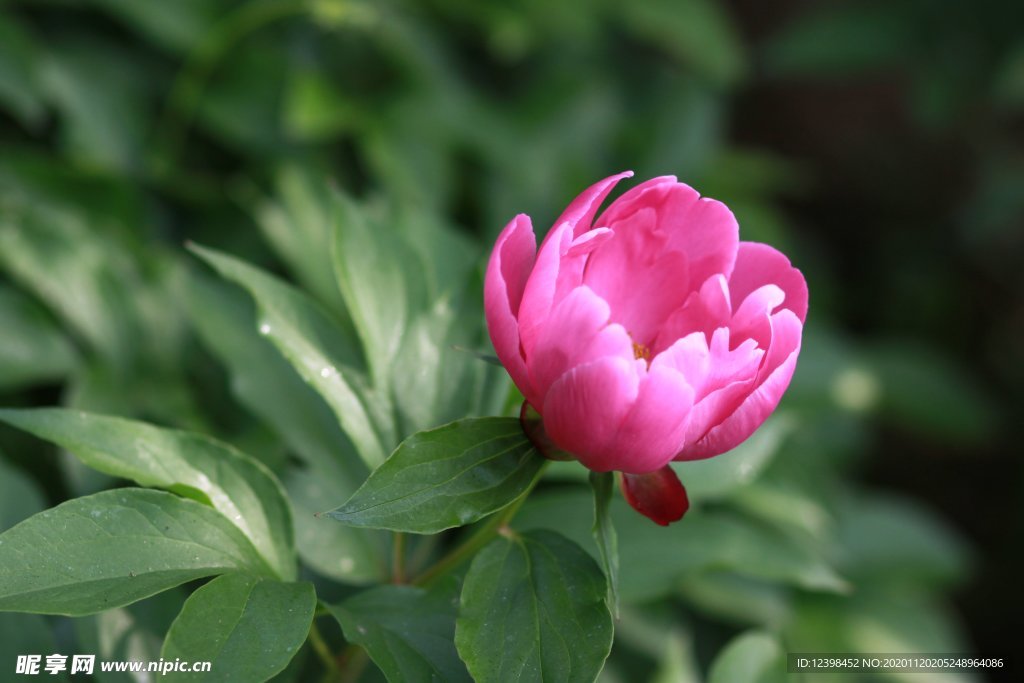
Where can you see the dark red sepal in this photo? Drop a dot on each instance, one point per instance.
(658, 495)
(533, 427)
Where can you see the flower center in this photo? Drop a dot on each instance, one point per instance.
(641, 351)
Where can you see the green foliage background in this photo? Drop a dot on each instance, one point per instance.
(876, 143)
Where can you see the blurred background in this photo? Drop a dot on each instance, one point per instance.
(878, 144)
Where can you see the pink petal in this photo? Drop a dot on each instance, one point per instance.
(704, 230)
(539, 293)
(507, 273)
(659, 495)
(704, 311)
(758, 265)
(751, 319)
(641, 280)
(708, 368)
(584, 408)
(654, 430)
(577, 332)
(772, 381)
(580, 213)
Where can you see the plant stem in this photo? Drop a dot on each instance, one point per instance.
(481, 537)
(352, 661)
(398, 558)
(316, 640)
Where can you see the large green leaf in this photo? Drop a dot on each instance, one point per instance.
(380, 280)
(91, 294)
(750, 658)
(196, 466)
(318, 349)
(34, 349)
(247, 627)
(299, 225)
(407, 631)
(446, 477)
(266, 384)
(20, 497)
(113, 548)
(534, 609)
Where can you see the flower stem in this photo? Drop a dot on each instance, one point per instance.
(497, 523)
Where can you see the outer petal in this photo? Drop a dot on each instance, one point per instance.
(584, 408)
(507, 273)
(758, 265)
(580, 213)
(539, 293)
(559, 266)
(772, 381)
(703, 229)
(659, 495)
(655, 427)
(576, 333)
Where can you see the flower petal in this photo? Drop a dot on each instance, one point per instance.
(507, 273)
(758, 265)
(576, 333)
(657, 495)
(703, 229)
(772, 381)
(704, 311)
(580, 213)
(654, 430)
(584, 408)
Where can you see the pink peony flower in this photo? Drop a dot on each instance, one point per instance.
(648, 335)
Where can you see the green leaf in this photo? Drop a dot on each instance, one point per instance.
(101, 92)
(193, 465)
(534, 608)
(266, 384)
(91, 294)
(178, 25)
(446, 477)
(249, 628)
(133, 633)
(318, 349)
(372, 268)
(884, 538)
(25, 634)
(718, 477)
(20, 496)
(702, 541)
(344, 553)
(607, 542)
(748, 658)
(113, 548)
(299, 224)
(407, 631)
(19, 82)
(697, 31)
(34, 349)
(837, 41)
